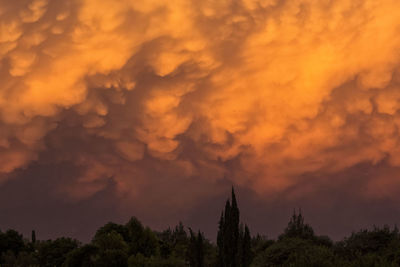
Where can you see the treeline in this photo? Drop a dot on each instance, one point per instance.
(133, 244)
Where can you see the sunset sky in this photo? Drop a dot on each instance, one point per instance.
(153, 108)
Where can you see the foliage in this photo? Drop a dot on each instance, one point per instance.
(295, 252)
(296, 228)
(132, 244)
(82, 256)
(139, 260)
(196, 249)
(11, 240)
(53, 253)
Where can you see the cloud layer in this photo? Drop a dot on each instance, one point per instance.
(160, 96)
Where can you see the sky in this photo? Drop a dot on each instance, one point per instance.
(111, 109)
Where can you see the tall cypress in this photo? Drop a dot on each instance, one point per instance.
(247, 254)
(220, 240)
(227, 236)
(230, 238)
(200, 249)
(235, 230)
(33, 237)
(239, 252)
(196, 249)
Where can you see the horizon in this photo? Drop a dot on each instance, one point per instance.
(295, 212)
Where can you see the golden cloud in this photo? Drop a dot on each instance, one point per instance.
(282, 88)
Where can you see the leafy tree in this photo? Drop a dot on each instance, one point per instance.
(84, 256)
(110, 227)
(392, 252)
(260, 243)
(210, 254)
(139, 260)
(370, 241)
(11, 240)
(8, 258)
(295, 252)
(369, 260)
(180, 241)
(112, 258)
(166, 242)
(296, 228)
(376, 247)
(53, 253)
(141, 240)
(174, 243)
(27, 259)
(113, 250)
(111, 241)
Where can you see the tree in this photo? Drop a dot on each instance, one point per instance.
(33, 237)
(26, 259)
(234, 230)
(111, 241)
(8, 258)
(220, 241)
(110, 227)
(11, 240)
(196, 249)
(229, 239)
(174, 243)
(112, 258)
(84, 256)
(382, 242)
(11, 244)
(53, 253)
(295, 252)
(139, 260)
(247, 257)
(260, 243)
(141, 240)
(113, 250)
(296, 228)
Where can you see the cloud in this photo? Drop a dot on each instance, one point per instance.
(151, 93)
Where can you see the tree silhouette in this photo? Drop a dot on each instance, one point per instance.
(247, 257)
(134, 245)
(196, 249)
(296, 228)
(33, 237)
(230, 238)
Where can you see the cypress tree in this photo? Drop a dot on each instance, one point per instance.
(227, 236)
(33, 237)
(231, 237)
(247, 257)
(239, 253)
(196, 249)
(220, 240)
(200, 249)
(234, 230)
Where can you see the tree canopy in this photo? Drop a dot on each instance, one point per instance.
(133, 244)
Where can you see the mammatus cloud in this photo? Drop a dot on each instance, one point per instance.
(160, 94)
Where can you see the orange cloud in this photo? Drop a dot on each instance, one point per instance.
(282, 88)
